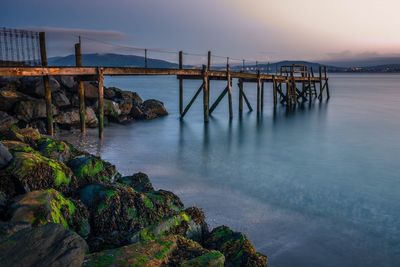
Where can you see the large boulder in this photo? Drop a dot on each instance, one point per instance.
(118, 211)
(67, 81)
(189, 223)
(25, 135)
(153, 109)
(34, 171)
(70, 118)
(138, 181)
(47, 245)
(6, 121)
(50, 206)
(237, 249)
(111, 109)
(38, 90)
(166, 251)
(9, 98)
(88, 169)
(28, 110)
(5, 156)
(60, 99)
(54, 149)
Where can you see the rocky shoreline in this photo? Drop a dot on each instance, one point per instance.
(22, 103)
(63, 207)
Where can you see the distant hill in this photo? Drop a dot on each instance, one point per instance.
(117, 60)
(111, 60)
(364, 62)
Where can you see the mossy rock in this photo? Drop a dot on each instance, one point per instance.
(35, 172)
(210, 259)
(50, 206)
(17, 146)
(182, 224)
(235, 246)
(116, 212)
(54, 149)
(138, 181)
(90, 169)
(149, 253)
(25, 135)
(170, 250)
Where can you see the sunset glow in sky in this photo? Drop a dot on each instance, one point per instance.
(256, 29)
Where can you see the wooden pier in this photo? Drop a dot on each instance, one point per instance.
(294, 84)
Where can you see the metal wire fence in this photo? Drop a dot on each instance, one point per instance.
(19, 48)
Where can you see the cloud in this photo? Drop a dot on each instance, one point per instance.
(60, 41)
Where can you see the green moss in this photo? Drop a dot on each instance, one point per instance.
(147, 202)
(164, 250)
(25, 164)
(146, 235)
(58, 204)
(87, 166)
(212, 258)
(132, 213)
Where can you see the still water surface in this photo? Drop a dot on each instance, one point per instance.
(319, 186)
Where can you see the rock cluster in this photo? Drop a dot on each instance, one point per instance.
(64, 207)
(22, 102)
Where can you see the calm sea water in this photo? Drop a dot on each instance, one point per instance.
(319, 186)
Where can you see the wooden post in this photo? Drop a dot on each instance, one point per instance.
(309, 88)
(274, 85)
(145, 58)
(81, 88)
(209, 60)
(262, 95)
(101, 102)
(46, 85)
(258, 92)
(180, 84)
(229, 84)
(206, 94)
(326, 83)
(240, 84)
(320, 83)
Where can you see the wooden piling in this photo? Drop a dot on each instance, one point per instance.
(258, 92)
(206, 94)
(275, 91)
(180, 84)
(240, 84)
(46, 85)
(326, 83)
(81, 88)
(262, 95)
(229, 84)
(101, 101)
(320, 83)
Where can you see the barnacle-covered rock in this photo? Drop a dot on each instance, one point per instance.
(237, 249)
(50, 206)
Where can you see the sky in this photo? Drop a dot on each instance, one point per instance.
(263, 30)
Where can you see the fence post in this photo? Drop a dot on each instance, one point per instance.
(81, 87)
(46, 85)
(180, 84)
